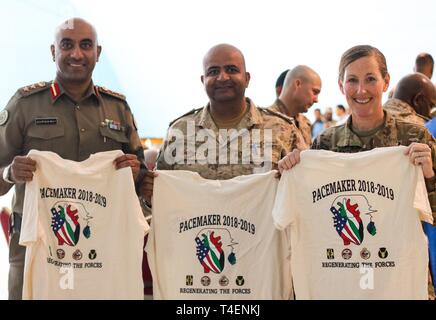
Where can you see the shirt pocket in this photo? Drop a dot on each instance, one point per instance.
(45, 137)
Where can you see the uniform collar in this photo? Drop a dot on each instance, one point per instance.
(350, 139)
(403, 108)
(56, 91)
(252, 117)
(282, 107)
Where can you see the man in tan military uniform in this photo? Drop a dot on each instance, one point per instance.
(413, 99)
(69, 116)
(300, 91)
(225, 80)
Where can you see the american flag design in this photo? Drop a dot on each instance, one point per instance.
(347, 221)
(210, 252)
(65, 224)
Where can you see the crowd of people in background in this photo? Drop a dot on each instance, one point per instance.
(422, 70)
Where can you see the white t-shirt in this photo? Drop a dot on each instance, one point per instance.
(215, 239)
(355, 225)
(83, 228)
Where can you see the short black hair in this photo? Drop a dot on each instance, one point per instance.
(424, 59)
(281, 78)
(340, 106)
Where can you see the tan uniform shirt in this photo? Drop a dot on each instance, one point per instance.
(394, 132)
(43, 117)
(285, 137)
(404, 111)
(302, 123)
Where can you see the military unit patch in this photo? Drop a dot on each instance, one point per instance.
(205, 281)
(330, 253)
(347, 254)
(77, 255)
(60, 253)
(240, 280)
(383, 253)
(365, 254)
(92, 254)
(224, 281)
(111, 93)
(4, 115)
(189, 280)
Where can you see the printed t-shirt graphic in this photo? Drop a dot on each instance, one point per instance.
(215, 239)
(355, 225)
(83, 228)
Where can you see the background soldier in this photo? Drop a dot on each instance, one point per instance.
(300, 91)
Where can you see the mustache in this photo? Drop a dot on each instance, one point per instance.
(79, 61)
(224, 84)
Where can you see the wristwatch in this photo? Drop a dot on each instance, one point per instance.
(430, 183)
(7, 174)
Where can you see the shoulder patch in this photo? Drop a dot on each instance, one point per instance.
(193, 111)
(34, 88)
(4, 115)
(111, 93)
(277, 114)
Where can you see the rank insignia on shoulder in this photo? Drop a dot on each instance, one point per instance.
(36, 87)
(111, 93)
(4, 115)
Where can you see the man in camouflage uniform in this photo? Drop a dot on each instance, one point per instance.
(413, 99)
(300, 91)
(225, 123)
(69, 116)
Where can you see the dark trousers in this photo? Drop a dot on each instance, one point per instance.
(16, 260)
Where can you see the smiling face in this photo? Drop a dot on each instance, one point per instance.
(225, 78)
(363, 86)
(75, 51)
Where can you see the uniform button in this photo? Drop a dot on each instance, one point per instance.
(83, 130)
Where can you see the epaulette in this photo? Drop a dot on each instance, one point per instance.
(193, 111)
(34, 88)
(277, 114)
(110, 92)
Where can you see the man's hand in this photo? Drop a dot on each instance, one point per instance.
(22, 169)
(289, 161)
(420, 155)
(146, 189)
(128, 160)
